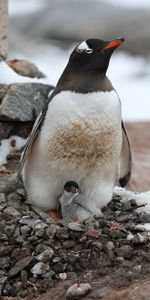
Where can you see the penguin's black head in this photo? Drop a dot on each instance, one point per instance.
(71, 187)
(93, 55)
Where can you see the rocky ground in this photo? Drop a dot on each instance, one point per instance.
(111, 254)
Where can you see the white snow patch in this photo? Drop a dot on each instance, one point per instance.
(130, 236)
(140, 198)
(6, 147)
(145, 226)
(8, 76)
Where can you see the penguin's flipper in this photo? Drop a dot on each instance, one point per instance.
(35, 130)
(125, 162)
(31, 138)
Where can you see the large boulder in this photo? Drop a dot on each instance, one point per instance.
(24, 101)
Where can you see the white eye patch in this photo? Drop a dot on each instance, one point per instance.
(83, 47)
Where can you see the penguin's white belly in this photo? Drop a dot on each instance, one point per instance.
(80, 140)
(83, 130)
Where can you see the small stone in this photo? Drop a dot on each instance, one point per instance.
(125, 251)
(24, 229)
(78, 290)
(40, 268)
(39, 225)
(12, 211)
(9, 230)
(45, 256)
(13, 197)
(125, 218)
(56, 259)
(62, 233)
(3, 237)
(68, 244)
(76, 227)
(40, 233)
(2, 198)
(94, 233)
(16, 232)
(62, 276)
(102, 223)
(51, 231)
(24, 276)
(5, 250)
(20, 265)
(140, 239)
(16, 288)
(117, 234)
(110, 245)
(50, 274)
(4, 262)
(26, 220)
(144, 217)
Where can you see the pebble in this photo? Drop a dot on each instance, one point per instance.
(94, 233)
(2, 199)
(4, 262)
(144, 217)
(26, 220)
(24, 229)
(12, 211)
(20, 265)
(110, 245)
(62, 233)
(76, 227)
(51, 230)
(40, 268)
(125, 251)
(45, 256)
(78, 290)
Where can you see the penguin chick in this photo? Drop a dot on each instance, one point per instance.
(72, 201)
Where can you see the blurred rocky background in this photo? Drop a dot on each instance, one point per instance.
(69, 21)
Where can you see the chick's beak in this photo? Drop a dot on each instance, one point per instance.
(113, 44)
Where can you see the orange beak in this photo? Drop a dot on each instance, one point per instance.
(114, 43)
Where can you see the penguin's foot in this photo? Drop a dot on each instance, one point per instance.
(55, 215)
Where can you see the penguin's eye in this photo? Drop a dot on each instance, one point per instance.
(83, 47)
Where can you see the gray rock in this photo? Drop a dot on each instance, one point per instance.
(110, 245)
(2, 283)
(51, 230)
(144, 217)
(78, 290)
(9, 230)
(24, 275)
(4, 262)
(12, 211)
(20, 265)
(27, 220)
(40, 268)
(2, 198)
(3, 90)
(9, 186)
(62, 233)
(39, 225)
(76, 227)
(126, 251)
(23, 102)
(45, 256)
(25, 229)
